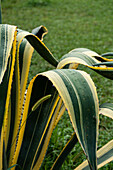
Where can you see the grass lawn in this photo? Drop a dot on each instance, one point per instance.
(71, 24)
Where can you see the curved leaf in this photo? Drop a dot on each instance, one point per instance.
(107, 54)
(108, 64)
(23, 60)
(104, 156)
(40, 31)
(106, 109)
(42, 121)
(25, 51)
(81, 127)
(89, 59)
(37, 120)
(38, 45)
(7, 62)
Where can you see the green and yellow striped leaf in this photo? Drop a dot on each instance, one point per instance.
(38, 45)
(25, 52)
(7, 63)
(89, 59)
(48, 96)
(78, 91)
(104, 156)
(23, 60)
(40, 31)
(36, 132)
(15, 58)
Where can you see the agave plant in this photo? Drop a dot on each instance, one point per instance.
(29, 113)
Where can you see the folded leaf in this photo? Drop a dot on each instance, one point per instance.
(87, 58)
(106, 109)
(38, 45)
(22, 64)
(40, 32)
(35, 134)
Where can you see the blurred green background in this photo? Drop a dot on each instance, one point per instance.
(71, 24)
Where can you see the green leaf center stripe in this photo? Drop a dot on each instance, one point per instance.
(76, 102)
(61, 111)
(6, 40)
(2, 42)
(79, 92)
(2, 49)
(4, 45)
(94, 93)
(30, 90)
(28, 51)
(59, 83)
(25, 62)
(77, 106)
(8, 67)
(90, 119)
(40, 145)
(21, 54)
